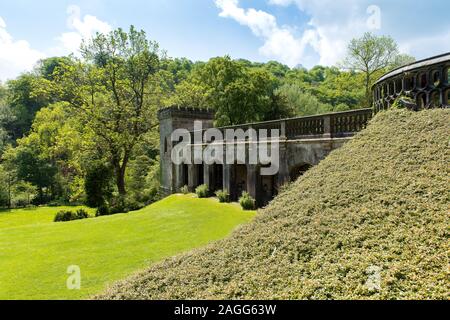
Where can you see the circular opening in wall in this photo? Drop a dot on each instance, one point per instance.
(421, 101)
(435, 100)
(436, 78)
(422, 80)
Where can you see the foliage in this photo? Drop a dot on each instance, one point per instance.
(64, 215)
(111, 90)
(202, 191)
(169, 227)
(381, 201)
(237, 93)
(246, 201)
(184, 190)
(97, 185)
(371, 54)
(223, 196)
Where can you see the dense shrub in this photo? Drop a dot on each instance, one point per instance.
(98, 185)
(246, 201)
(184, 190)
(103, 210)
(66, 215)
(223, 196)
(202, 191)
(380, 202)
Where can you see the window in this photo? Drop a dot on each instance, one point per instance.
(435, 99)
(165, 145)
(436, 78)
(447, 72)
(409, 83)
(422, 80)
(421, 101)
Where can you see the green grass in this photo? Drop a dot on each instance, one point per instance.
(381, 202)
(35, 252)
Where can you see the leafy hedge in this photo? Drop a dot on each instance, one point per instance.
(378, 204)
(64, 216)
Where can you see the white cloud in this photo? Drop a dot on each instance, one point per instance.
(332, 25)
(83, 28)
(15, 55)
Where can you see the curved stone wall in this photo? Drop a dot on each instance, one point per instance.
(426, 82)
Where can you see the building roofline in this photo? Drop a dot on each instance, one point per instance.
(415, 65)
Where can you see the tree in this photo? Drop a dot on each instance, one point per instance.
(238, 93)
(370, 54)
(112, 90)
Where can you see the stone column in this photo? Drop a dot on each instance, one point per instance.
(207, 170)
(252, 180)
(227, 178)
(283, 172)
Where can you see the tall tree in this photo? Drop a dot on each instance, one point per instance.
(112, 89)
(370, 54)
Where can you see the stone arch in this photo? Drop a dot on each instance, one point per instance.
(435, 77)
(421, 100)
(409, 83)
(298, 170)
(447, 98)
(435, 99)
(422, 80)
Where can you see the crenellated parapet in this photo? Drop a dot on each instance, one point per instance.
(425, 83)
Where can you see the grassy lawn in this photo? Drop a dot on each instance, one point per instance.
(35, 252)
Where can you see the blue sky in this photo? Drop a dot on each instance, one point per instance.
(306, 32)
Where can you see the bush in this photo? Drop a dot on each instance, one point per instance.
(103, 210)
(247, 202)
(97, 185)
(66, 215)
(223, 196)
(202, 191)
(184, 190)
(82, 214)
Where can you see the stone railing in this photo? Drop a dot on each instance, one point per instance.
(331, 125)
(425, 84)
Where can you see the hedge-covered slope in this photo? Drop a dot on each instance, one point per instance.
(381, 201)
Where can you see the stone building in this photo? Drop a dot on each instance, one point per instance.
(303, 142)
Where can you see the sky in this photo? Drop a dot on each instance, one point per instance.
(294, 32)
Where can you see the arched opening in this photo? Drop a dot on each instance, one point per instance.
(398, 86)
(216, 177)
(409, 83)
(267, 189)
(435, 99)
(422, 80)
(447, 98)
(298, 171)
(184, 175)
(421, 101)
(436, 78)
(447, 75)
(239, 181)
(391, 88)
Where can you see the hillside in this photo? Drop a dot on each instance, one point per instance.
(380, 202)
(35, 252)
